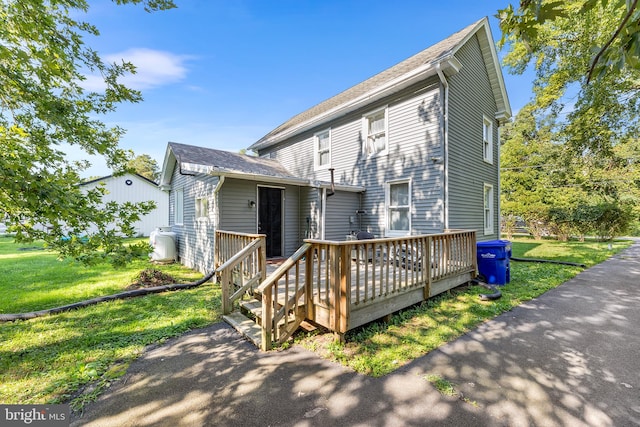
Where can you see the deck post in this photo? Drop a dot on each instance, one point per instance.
(267, 318)
(216, 249)
(334, 287)
(474, 253)
(308, 283)
(226, 290)
(427, 263)
(262, 258)
(345, 288)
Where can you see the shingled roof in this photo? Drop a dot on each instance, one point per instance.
(191, 159)
(225, 162)
(426, 59)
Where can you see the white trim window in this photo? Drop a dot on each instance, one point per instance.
(178, 218)
(202, 207)
(322, 149)
(488, 209)
(398, 207)
(487, 139)
(375, 131)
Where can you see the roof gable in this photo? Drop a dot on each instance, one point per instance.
(419, 66)
(110, 177)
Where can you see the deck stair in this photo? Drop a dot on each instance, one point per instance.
(247, 320)
(335, 285)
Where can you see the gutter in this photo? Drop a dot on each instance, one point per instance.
(301, 182)
(445, 131)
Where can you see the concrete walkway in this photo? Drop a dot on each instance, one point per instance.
(568, 358)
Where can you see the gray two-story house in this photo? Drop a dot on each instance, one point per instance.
(412, 150)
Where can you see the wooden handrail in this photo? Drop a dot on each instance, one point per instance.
(251, 260)
(238, 257)
(277, 306)
(280, 271)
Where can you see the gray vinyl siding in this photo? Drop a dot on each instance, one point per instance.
(470, 97)
(195, 237)
(309, 213)
(236, 215)
(341, 209)
(414, 137)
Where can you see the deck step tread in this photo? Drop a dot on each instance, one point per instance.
(253, 306)
(245, 326)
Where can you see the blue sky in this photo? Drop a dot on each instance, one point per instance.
(223, 73)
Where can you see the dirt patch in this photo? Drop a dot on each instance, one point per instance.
(151, 277)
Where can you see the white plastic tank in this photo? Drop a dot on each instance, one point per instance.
(163, 241)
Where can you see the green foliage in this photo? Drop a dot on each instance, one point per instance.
(445, 387)
(615, 47)
(43, 106)
(564, 42)
(556, 188)
(146, 166)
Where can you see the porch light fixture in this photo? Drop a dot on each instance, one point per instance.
(252, 204)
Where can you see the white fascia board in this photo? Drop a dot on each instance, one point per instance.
(258, 177)
(380, 92)
(339, 187)
(194, 168)
(168, 165)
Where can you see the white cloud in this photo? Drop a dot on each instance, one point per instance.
(154, 68)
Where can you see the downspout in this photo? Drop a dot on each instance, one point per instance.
(216, 190)
(445, 132)
(499, 192)
(323, 211)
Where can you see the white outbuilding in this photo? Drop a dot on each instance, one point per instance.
(135, 188)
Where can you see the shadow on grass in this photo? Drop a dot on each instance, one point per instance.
(59, 354)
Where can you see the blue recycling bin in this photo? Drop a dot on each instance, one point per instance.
(493, 261)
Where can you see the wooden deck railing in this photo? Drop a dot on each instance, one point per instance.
(285, 298)
(241, 263)
(342, 285)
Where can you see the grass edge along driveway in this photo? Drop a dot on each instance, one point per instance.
(51, 359)
(379, 348)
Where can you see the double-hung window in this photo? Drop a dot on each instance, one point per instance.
(322, 147)
(487, 140)
(202, 207)
(375, 133)
(179, 207)
(398, 208)
(488, 209)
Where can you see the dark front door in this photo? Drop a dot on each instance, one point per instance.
(270, 219)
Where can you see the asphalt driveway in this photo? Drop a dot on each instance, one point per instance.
(568, 358)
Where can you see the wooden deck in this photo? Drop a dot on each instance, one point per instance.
(343, 285)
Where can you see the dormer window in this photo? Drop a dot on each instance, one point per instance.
(375, 133)
(322, 147)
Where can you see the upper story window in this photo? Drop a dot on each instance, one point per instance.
(487, 139)
(179, 207)
(202, 207)
(398, 208)
(488, 209)
(322, 147)
(375, 133)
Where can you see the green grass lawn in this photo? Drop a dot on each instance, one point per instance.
(51, 359)
(48, 359)
(379, 348)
